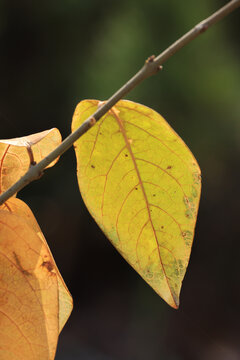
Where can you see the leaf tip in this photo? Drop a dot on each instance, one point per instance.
(173, 301)
(176, 304)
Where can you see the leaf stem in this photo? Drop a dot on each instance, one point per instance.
(30, 154)
(151, 67)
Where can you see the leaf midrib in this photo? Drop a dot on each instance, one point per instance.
(128, 145)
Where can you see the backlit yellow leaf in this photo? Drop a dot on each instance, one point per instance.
(28, 293)
(19, 208)
(142, 185)
(16, 154)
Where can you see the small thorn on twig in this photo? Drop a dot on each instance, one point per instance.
(160, 67)
(201, 28)
(150, 59)
(92, 121)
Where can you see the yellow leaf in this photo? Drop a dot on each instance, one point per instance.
(16, 154)
(19, 208)
(142, 185)
(28, 293)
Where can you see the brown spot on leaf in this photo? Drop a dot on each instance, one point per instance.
(48, 265)
(19, 265)
(169, 167)
(188, 214)
(92, 166)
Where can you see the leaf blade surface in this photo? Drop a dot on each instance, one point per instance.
(28, 293)
(142, 185)
(18, 207)
(14, 155)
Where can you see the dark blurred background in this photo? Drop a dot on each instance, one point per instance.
(54, 54)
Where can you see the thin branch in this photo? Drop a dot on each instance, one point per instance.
(151, 67)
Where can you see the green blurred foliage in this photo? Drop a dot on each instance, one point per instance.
(56, 53)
